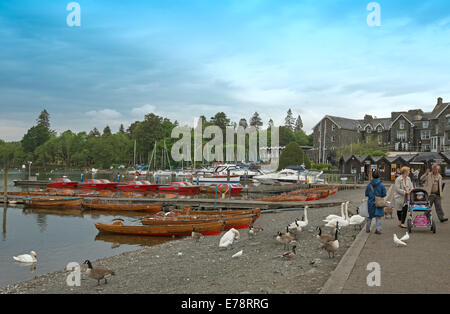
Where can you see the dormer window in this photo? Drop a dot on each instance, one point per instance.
(379, 129)
(368, 129)
(402, 125)
(425, 124)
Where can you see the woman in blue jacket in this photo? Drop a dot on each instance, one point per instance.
(374, 212)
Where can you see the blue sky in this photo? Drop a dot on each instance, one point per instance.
(186, 58)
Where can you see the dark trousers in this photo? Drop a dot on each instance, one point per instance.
(436, 200)
(401, 214)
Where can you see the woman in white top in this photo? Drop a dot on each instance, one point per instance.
(402, 188)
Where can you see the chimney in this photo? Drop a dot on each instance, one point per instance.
(439, 101)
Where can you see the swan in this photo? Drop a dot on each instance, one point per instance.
(356, 220)
(228, 238)
(331, 217)
(26, 258)
(304, 222)
(343, 222)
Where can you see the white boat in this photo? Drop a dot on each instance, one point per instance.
(236, 171)
(290, 176)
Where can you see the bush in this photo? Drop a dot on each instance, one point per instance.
(293, 155)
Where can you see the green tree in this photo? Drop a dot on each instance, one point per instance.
(243, 123)
(221, 120)
(44, 119)
(298, 123)
(107, 131)
(289, 121)
(293, 155)
(256, 121)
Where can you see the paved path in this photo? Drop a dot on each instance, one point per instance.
(421, 267)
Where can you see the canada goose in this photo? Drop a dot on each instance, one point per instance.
(324, 237)
(332, 246)
(398, 241)
(284, 238)
(228, 238)
(98, 273)
(26, 258)
(294, 230)
(331, 217)
(252, 230)
(196, 235)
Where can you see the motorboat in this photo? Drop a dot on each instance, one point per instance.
(290, 175)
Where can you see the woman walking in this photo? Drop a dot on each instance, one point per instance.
(375, 189)
(402, 188)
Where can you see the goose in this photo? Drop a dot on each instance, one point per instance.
(332, 246)
(98, 273)
(331, 217)
(405, 237)
(196, 235)
(252, 230)
(26, 258)
(343, 222)
(398, 241)
(228, 238)
(284, 238)
(324, 237)
(238, 254)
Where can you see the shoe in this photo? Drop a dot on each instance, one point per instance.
(444, 220)
(378, 232)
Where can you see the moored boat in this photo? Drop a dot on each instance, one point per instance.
(141, 186)
(62, 183)
(98, 204)
(224, 188)
(67, 202)
(230, 221)
(189, 211)
(210, 228)
(180, 187)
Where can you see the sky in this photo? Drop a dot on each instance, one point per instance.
(184, 58)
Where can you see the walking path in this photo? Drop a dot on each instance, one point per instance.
(421, 267)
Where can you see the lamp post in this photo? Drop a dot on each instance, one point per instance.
(29, 169)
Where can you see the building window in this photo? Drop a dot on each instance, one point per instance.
(425, 124)
(401, 135)
(368, 129)
(333, 127)
(402, 125)
(426, 147)
(333, 139)
(380, 129)
(425, 135)
(380, 139)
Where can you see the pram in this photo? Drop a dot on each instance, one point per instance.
(419, 213)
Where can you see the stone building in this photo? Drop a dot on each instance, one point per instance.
(408, 131)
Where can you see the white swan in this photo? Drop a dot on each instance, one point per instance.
(26, 258)
(357, 220)
(343, 222)
(304, 223)
(331, 217)
(228, 238)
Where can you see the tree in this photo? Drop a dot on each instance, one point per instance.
(121, 129)
(243, 123)
(221, 120)
(44, 119)
(270, 123)
(35, 137)
(256, 121)
(298, 123)
(107, 131)
(94, 133)
(289, 121)
(293, 155)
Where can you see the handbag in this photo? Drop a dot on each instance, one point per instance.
(364, 208)
(379, 201)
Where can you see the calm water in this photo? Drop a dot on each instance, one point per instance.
(57, 236)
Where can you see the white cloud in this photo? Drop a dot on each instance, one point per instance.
(140, 112)
(105, 114)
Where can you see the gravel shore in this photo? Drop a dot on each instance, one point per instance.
(184, 266)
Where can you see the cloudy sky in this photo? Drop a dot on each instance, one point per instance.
(186, 58)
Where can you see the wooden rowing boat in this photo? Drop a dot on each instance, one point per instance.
(68, 202)
(101, 205)
(189, 211)
(210, 228)
(231, 221)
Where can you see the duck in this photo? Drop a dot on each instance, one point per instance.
(324, 237)
(289, 254)
(332, 246)
(343, 222)
(284, 238)
(196, 235)
(228, 238)
(26, 258)
(331, 217)
(98, 273)
(398, 242)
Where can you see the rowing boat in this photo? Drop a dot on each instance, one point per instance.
(210, 228)
(101, 205)
(68, 202)
(189, 211)
(231, 221)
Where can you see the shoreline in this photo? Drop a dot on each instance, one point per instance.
(184, 266)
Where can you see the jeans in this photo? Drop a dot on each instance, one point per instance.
(369, 223)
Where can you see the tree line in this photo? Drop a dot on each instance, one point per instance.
(44, 147)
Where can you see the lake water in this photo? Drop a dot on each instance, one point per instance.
(57, 236)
